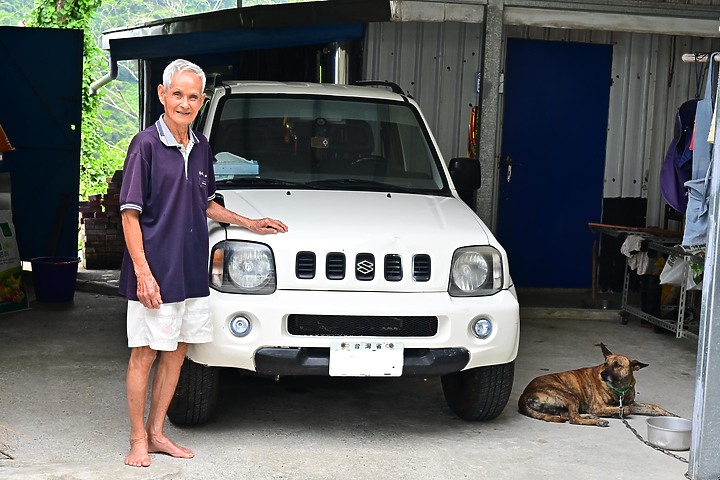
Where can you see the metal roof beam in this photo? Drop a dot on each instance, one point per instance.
(639, 16)
(679, 21)
(433, 11)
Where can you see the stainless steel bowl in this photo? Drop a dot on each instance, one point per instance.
(670, 433)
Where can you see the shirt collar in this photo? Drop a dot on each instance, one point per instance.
(167, 138)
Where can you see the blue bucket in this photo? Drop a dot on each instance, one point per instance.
(54, 278)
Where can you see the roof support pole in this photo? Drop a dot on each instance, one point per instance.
(704, 461)
(333, 64)
(488, 154)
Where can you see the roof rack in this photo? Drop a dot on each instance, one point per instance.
(382, 83)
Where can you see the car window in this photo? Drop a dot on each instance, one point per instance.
(323, 142)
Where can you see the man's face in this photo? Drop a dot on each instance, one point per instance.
(182, 101)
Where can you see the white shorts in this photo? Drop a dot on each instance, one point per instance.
(164, 327)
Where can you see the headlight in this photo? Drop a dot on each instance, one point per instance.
(476, 271)
(242, 267)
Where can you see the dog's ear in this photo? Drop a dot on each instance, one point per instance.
(605, 350)
(635, 365)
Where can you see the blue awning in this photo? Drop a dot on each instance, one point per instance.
(247, 28)
(243, 28)
(205, 42)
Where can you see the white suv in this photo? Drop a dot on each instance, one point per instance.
(384, 271)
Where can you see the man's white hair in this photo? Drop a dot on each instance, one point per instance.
(178, 66)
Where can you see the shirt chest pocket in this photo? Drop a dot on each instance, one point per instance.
(200, 190)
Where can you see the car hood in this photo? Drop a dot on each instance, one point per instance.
(357, 222)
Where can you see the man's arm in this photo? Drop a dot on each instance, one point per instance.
(261, 225)
(148, 291)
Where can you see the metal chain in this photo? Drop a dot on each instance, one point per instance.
(639, 437)
(655, 447)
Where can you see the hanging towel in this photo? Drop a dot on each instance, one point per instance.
(637, 259)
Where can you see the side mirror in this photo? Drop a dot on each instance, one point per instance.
(220, 200)
(466, 175)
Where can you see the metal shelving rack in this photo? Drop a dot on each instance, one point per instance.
(664, 245)
(678, 324)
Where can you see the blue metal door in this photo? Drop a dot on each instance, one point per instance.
(556, 98)
(41, 114)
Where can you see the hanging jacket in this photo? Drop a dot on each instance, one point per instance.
(677, 167)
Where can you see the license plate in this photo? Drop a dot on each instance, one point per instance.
(362, 358)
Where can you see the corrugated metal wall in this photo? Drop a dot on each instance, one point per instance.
(650, 83)
(438, 62)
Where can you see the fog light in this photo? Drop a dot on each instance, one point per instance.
(240, 326)
(482, 328)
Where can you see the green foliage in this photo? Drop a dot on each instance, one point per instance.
(63, 13)
(13, 12)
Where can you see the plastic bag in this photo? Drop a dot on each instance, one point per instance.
(13, 295)
(675, 267)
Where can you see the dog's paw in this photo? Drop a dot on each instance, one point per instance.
(602, 423)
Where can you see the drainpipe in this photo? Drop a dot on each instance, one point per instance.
(107, 78)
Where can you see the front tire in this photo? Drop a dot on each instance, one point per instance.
(196, 394)
(479, 393)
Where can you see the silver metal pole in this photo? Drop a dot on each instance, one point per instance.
(698, 57)
(341, 63)
(704, 460)
(488, 153)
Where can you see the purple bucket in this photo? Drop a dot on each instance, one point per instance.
(54, 278)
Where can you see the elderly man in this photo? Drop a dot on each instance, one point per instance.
(166, 197)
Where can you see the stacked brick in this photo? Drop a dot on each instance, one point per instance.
(103, 243)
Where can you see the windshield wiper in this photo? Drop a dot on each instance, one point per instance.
(359, 184)
(258, 182)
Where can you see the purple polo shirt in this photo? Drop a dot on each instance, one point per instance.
(172, 199)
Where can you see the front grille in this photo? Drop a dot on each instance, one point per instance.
(362, 326)
(393, 268)
(364, 266)
(335, 266)
(305, 265)
(421, 268)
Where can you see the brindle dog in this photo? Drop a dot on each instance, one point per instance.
(584, 395)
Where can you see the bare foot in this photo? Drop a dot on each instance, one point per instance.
(138, 456)
(162, 444)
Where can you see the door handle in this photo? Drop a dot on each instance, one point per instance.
(509, 162)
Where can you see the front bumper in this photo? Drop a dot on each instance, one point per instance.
(303, 361)
(271, 349)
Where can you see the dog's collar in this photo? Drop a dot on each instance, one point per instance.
(619, 391)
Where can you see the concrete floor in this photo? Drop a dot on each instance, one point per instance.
(62, 370)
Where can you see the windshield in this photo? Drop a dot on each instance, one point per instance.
(323, 143)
